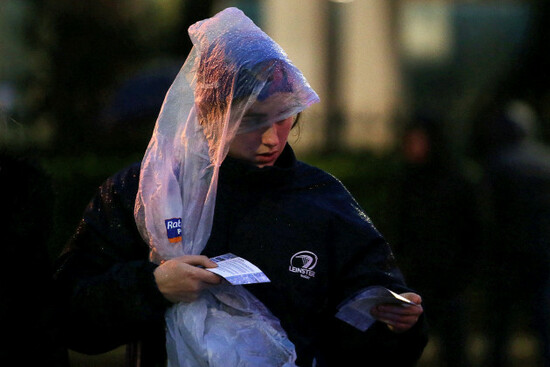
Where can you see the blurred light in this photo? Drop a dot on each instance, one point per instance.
(426, 31)
(342, 1)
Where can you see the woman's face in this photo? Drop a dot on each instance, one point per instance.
(263, 146)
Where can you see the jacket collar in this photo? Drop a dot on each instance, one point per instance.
(236, 171)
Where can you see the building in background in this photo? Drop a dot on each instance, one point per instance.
(346, 51)
(371, 61)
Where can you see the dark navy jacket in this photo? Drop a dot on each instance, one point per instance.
(274, 217)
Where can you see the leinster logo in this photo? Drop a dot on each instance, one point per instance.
(303, 263)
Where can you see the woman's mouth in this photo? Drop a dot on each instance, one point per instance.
(266, 157)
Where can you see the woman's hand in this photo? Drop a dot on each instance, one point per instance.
(399, 318)
(181, 279)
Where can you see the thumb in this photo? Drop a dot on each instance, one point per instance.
(413, 297)
(197, 260)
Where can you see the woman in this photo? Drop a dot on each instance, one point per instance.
(221, 138)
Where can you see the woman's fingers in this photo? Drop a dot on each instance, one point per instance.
(401, 317)
(183, 278)
(198, 261)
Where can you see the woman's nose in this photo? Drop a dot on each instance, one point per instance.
(270, 137)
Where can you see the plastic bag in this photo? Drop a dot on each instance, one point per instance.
(227, 327)
(232, 65)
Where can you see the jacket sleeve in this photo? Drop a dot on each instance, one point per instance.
(363, 258)
(103, 278)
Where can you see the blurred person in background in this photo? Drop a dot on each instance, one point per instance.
(27, 315)
(517, 179)
(436, 232)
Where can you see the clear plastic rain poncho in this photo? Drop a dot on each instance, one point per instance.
(233, 65)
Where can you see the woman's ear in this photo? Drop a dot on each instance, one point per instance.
(296, 120)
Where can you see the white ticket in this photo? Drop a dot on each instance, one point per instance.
(356, 311)
(237, 270)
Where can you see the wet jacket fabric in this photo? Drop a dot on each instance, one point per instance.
(274, 217)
